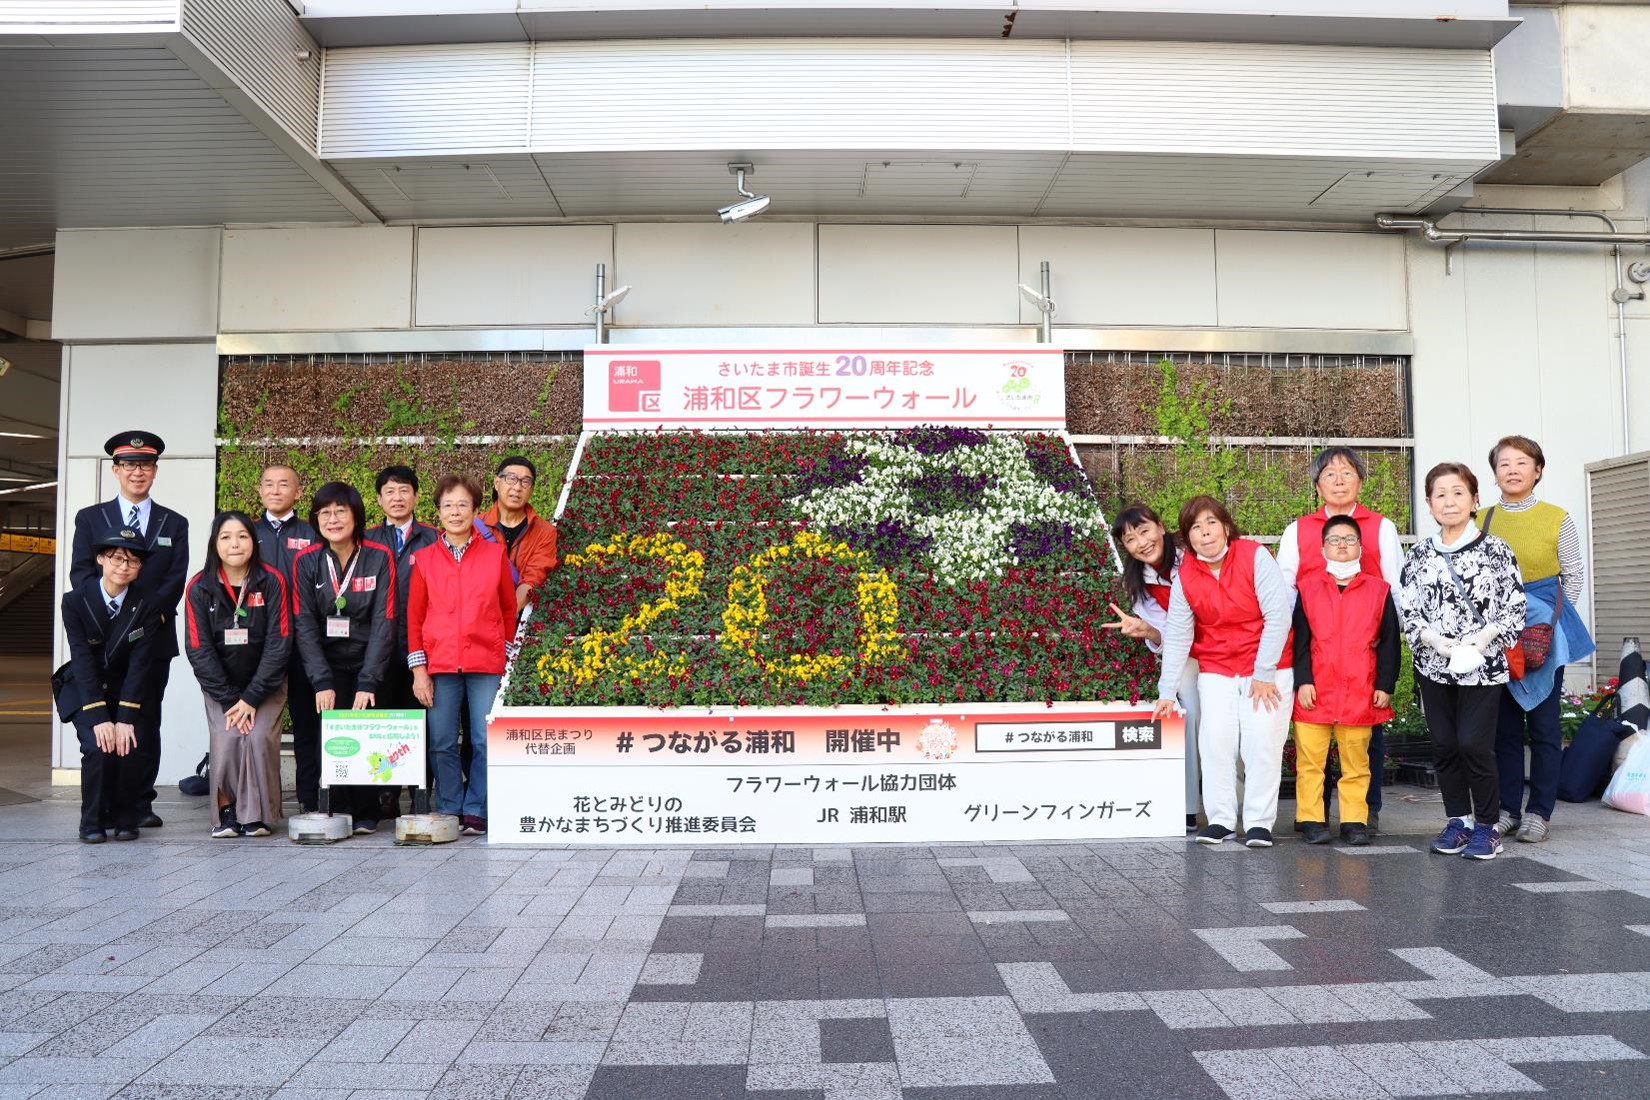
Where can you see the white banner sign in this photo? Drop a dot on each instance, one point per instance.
(372, 748)
(1013, 386)
(833, 775)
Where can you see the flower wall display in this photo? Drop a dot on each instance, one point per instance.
(926, 565)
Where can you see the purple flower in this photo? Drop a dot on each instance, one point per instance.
(889, 542)
(935, 439)
(948, 491)
(833, 470)
(1030, 541)
(1054, 467)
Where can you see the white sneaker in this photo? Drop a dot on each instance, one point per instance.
(1533, 829)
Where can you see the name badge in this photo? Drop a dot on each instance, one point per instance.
(163, 540)
(296, 544)
(337, 626)
(135, 635)
(236, 636)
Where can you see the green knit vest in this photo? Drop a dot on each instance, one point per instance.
(1532, 534)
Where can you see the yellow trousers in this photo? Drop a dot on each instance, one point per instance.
(1312, 754)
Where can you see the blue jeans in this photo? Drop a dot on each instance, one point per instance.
(1546, 748)
(1377, 766)
(472, 692)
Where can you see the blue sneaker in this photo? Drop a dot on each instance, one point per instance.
(1485, 843)
(1453, 839)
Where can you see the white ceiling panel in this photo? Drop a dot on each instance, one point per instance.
(444, 187)
(133, 137)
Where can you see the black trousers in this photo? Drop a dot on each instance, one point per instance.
(1461, 721)
(111, 787)
(147, 762)
(361, 803)
(306, 733)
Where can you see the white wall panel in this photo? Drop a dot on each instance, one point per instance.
(798, 93)
(1222, 97)
(1117, 276)
(99, 15)
(713, 274)
(426, 99)
(919, 274)
(1310, 280)
(136, 284)
(285, 280)
(510, 275)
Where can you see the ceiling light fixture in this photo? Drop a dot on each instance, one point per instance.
(748, 207)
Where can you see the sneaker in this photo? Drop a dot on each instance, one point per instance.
(255, 828)
(363, 828)
(1213, 834)
(1314, 832)
(1507, 824)
(1453, 838)
(227, 826)
(1485, 843)
(1533, 829)
(1191, 823)
(1258, 838)
(472, 826)
(1354, 834)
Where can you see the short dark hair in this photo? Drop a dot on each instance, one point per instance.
(1134, 572)
(338, 492)
(213, 563)
(1192, 509)
(403, 474)
(458, 481)
(1524, 444)
(1342, 521)
(518, 460)
(1330, 454)
(1458, 469)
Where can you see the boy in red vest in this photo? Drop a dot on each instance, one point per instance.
(1346, 667)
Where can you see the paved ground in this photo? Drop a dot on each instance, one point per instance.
(180, 967)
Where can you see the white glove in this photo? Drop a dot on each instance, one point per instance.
(1438, 642)
(1484, 640)
(1465, 658)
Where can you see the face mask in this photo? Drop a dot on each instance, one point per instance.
(1344, 570)
(1218, 557)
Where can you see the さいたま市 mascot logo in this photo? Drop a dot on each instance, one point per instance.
(938, 740)
(1019, 391)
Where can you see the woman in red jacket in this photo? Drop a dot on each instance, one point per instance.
(461, 613)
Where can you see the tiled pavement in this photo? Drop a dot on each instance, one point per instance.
(181, 967)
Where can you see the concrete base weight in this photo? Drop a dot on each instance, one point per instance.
(421, 829)
(319, 828)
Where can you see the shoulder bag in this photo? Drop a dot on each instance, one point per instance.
(1534, 641)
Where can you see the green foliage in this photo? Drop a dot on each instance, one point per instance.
(357, 456)
(1264, 491)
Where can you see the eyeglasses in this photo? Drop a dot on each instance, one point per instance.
(464, 505)
(136, 463)
(124, 561)
(1342, 540)
(524, 480)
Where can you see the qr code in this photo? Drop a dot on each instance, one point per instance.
(340, 771)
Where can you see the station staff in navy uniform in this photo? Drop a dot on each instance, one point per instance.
(114, 642)
(402, 532)
(344, 611)
(165, 536)
(282, 534)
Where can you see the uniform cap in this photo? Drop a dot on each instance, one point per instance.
(135, 444)
(122, 538)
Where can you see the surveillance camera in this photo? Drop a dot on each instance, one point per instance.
(739, 211)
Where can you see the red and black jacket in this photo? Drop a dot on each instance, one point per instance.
(234, 673)
(369, 605)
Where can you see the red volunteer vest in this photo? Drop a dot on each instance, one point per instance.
(1160, 593)
(1229, 622)
(1346, 623)
(1309, 537)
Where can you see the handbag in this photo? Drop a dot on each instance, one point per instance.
(1533, 641)
(1588, 759)
(1514, 654)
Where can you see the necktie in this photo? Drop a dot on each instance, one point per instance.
(275, 525)
(114, 609)
(398, 541)
(132, 520)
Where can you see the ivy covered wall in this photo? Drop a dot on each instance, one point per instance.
(345, 418)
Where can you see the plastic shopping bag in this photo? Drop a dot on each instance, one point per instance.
(1629, 788)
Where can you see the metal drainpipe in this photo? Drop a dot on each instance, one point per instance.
(1620, 295)
(601, 314)
(1048, 315)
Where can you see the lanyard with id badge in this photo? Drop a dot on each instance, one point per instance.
(338, 622)
(237, 634)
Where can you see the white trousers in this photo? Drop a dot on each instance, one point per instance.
(1232, 730)
(1186, 695)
